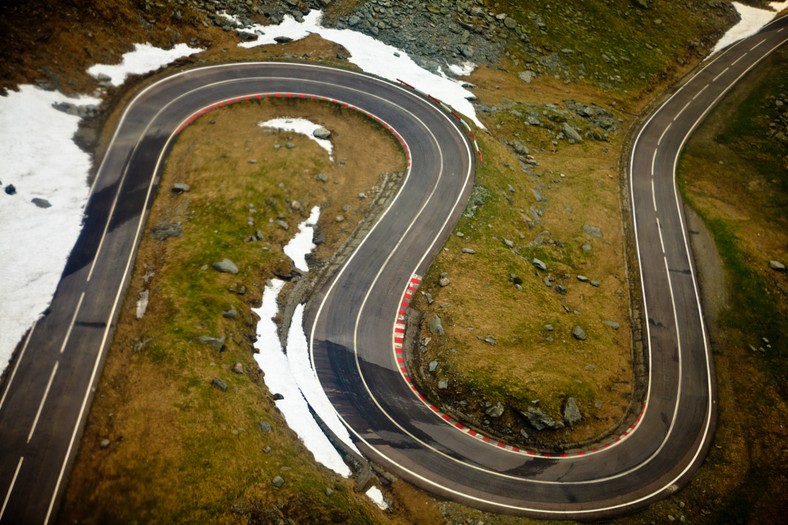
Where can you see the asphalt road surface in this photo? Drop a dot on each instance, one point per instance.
(47, 393)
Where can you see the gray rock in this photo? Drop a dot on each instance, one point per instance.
(548, 327)
(218, 383)
(237, 368)
(469, 251)
(165, 230)
(538, 195)
(777, 266)
(490, 340)
(443, 384)
(433, 366)
(339, 218)
(232, 313)
(578, 333)
(142, 304)
(41, 203)
(593, 231)
(444, 282)
(264, 426)
(217, 343)
(586, 248)
(495, 411)
(508, 243)
(520, 149)
(322, 177)
(10, 189)
(560, 289)
(321, 133)
(612, 324)
(526, 76)
(278, 482)
(571, 133)
(539, 264)
(104, 443)
(225, 266)
(582, 278)
(539, 420)
(435, 325)
(594, 283)
(572, 413)
(282, 224)
(290, 145)
(180, 187)
(282, 39)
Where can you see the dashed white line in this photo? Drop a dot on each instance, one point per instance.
(756, 45)
(682, 110)
(661, 136)
(653, 193)
(43, 400)
(734, 62)
(702, 89)
(71, 325)
(721, 73)
(11, 487)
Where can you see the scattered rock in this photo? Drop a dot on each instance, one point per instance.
(526, 76)
(444, 280)
(593, 231)
(225, 266)
(165, 230)
(321, 133)
(571, 412)
(322, 177)
(495, 411)
(217, 343)
(469, 251)
(264, 426)
(104, 443)
(278, 397)
(443, 384)
(180, 187)
(777, 266)
(539, 264)
(582, 278)
(340, 218)
(586, 248)
(232, 313)
(612, 324)
(10, 189)
(237, 288)
(490, 340)
(578, 333)
(278, 482)
(560, 289)
(237, 368)
(537, 418)
(571, 133)
(433, 366)
(282, 39)
(282, 224)
(41, 203)
(435, 325)
(218, 383)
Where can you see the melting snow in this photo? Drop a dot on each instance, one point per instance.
(143, 59)
(301, 126)
(752, 20)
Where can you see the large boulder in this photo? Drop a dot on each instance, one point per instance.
(578, 333)
(435, 325)
(321, 133)
(225, 266)
(539, 420)
(571, 412)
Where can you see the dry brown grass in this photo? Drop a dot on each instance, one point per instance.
(181, 450)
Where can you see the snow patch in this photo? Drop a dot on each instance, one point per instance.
(376, 496)
(40, 159)
(301, 126)
(143, 59)
(290, 372)
(752, 20)
(462, 70)
(374, 57)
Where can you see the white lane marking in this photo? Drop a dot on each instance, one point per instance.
(653, 160)
(73, 320)
(661, 137)
(706, 86)
(653, 194)
(721, 73)
(735, 61)
(756, 45)
(43, 400)
(11, 487)
(661, 241)
(16, 365)
(682, 110)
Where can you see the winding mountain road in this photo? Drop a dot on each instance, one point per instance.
(46, 396)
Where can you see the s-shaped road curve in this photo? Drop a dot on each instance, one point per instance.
(48, 390)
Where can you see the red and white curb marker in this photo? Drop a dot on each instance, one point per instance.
(449, 110)
(398, 338)
(304, 96)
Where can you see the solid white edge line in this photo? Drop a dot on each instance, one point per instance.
(11, 487)
(43, 400)
(16, 365)
(71, 325)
